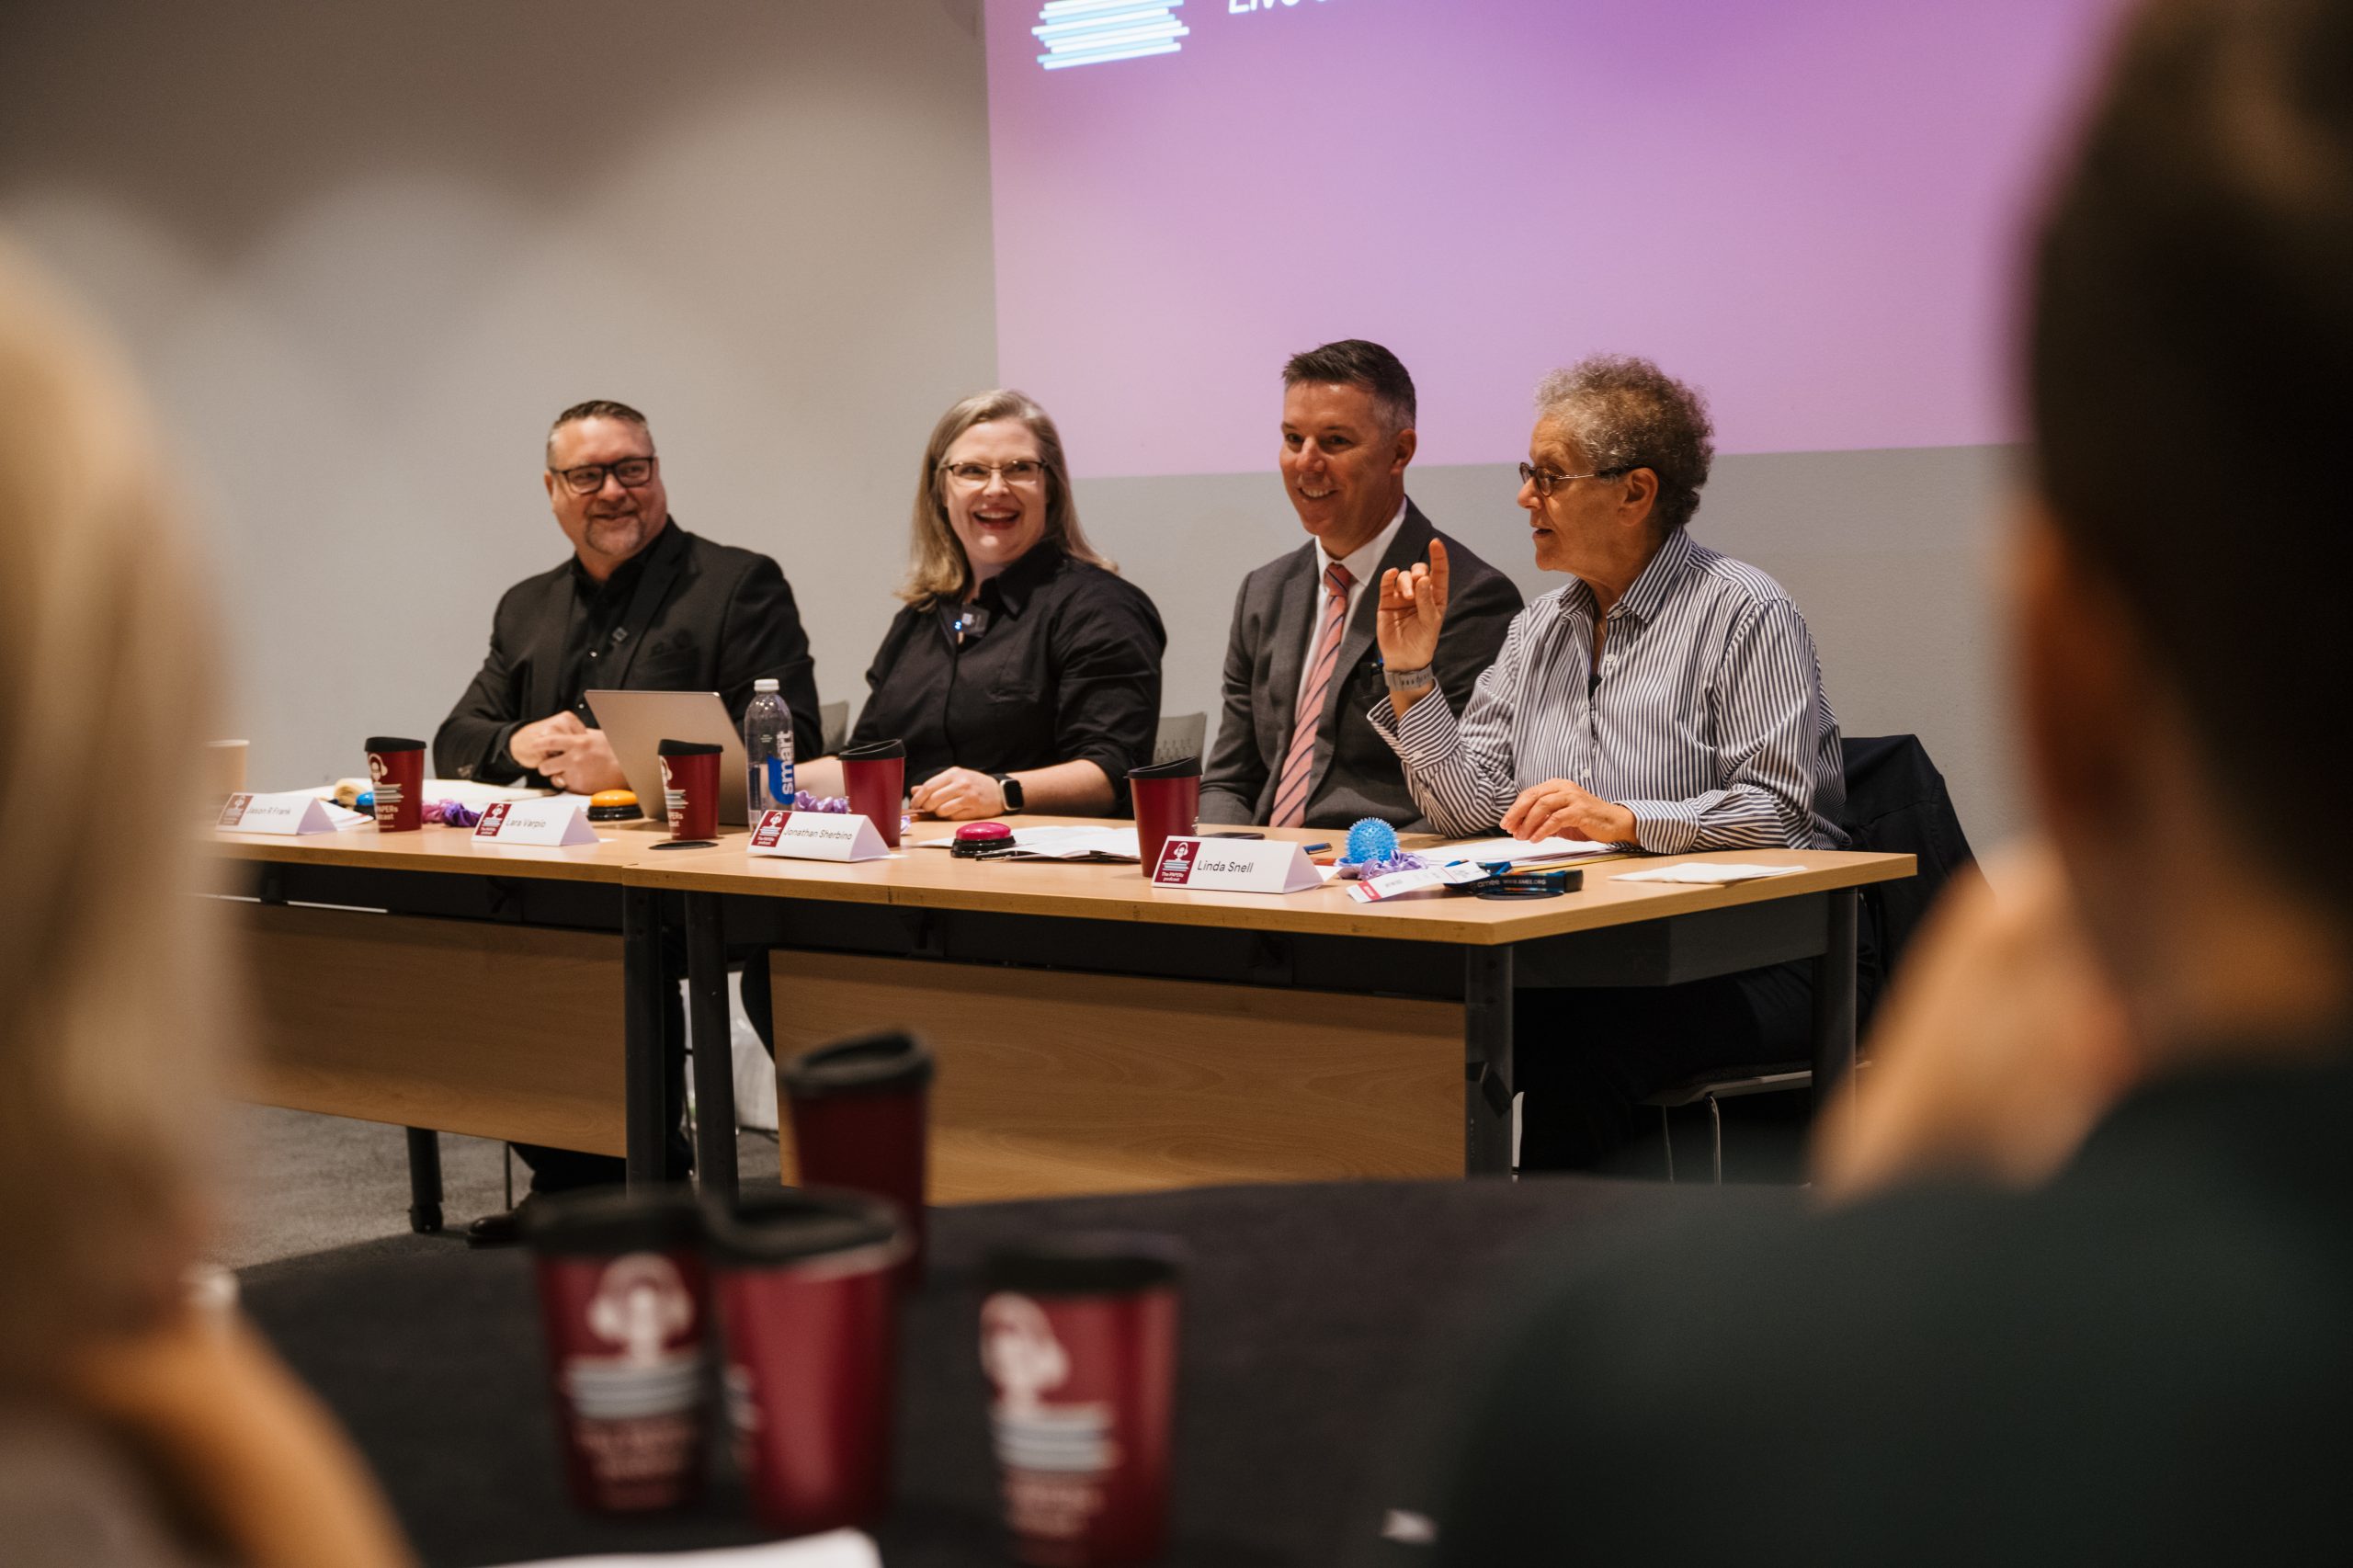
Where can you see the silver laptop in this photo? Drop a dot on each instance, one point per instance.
(637, 722)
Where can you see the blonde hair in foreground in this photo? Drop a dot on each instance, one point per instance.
(937, 571)
(111, 999)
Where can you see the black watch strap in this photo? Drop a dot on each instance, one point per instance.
(1011, 787)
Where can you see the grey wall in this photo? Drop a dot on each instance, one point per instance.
(363, 254)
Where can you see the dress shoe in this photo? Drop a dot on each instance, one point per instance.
(505, 1228)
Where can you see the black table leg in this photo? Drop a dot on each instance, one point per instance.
(646, 1107)
(423, 1180)
(1486, 1061)
(1834, 998)
(714, 1047)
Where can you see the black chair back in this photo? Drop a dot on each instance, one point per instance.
(1897, 804)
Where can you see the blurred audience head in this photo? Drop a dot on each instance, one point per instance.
(2182, 581)
(109, 1002)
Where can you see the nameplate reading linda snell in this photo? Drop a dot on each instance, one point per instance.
(816, 836)
(1235, 865)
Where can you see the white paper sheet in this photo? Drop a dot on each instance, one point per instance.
(836, 1548)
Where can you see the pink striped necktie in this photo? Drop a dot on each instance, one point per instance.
(1291, 795)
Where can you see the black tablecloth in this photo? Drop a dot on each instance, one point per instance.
(1309, 1313)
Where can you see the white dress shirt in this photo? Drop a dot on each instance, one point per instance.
(1705, 716)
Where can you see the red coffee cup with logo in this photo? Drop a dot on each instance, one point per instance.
(875, 777)
(690, 787)
(806, 1281)
(862, 1121)
(1168, 805)
(625, 1307)
(1078, 1337)
(396, 768)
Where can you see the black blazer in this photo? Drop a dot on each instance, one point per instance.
(1356, 774)
(704, 617)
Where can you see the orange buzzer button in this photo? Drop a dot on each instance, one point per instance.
(613, 805)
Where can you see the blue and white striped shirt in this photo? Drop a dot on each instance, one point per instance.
(1706, 719)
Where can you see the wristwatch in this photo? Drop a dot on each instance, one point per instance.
(1405, 683)
(1011, 789)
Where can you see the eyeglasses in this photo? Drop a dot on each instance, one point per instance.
(1020, 471)
(635, 473)
(1546, 481)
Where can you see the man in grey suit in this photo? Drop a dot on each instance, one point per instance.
(1293, 746)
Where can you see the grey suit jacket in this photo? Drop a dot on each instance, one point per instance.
(1356, 775)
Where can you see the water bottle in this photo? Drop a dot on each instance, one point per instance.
(768, 748)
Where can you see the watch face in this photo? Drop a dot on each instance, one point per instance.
(1012, 788)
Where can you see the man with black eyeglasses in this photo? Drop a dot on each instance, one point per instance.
(643, 604)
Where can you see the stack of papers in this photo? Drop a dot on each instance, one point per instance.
(1113, 844)
(1489, 850)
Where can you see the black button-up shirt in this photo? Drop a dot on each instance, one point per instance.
(598, 609)
(1063, 664)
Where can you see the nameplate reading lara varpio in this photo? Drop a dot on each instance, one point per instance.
(816, 836)
(1233, 865)
(287, 813)
(544, 825)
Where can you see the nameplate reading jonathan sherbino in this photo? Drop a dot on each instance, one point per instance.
(816, 836)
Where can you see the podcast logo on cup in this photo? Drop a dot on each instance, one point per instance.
(388, 794)
(648, 1387)
(1095, 32)
(674, 799)
(1055, 1456)
(1177, 868)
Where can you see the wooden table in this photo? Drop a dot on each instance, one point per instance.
(1097, 1034)
(418, 980)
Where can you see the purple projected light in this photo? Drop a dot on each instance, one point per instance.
(1809, 208)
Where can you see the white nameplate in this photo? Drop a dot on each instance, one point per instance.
(816, 836)
(1396, 884)
(289, 811)
(1235, 865)
(546, 824)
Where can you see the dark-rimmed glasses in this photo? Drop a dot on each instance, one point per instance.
(1544, 479)
(589, 478)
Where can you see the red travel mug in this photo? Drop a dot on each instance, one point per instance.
(875, 776)
(808, 1303)
(1078, 1337)
(860, 1119)
(396, 768)
(624, 1305)
(1167, 803)
(690, 787)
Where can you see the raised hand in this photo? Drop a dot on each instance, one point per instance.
(1413, 606)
